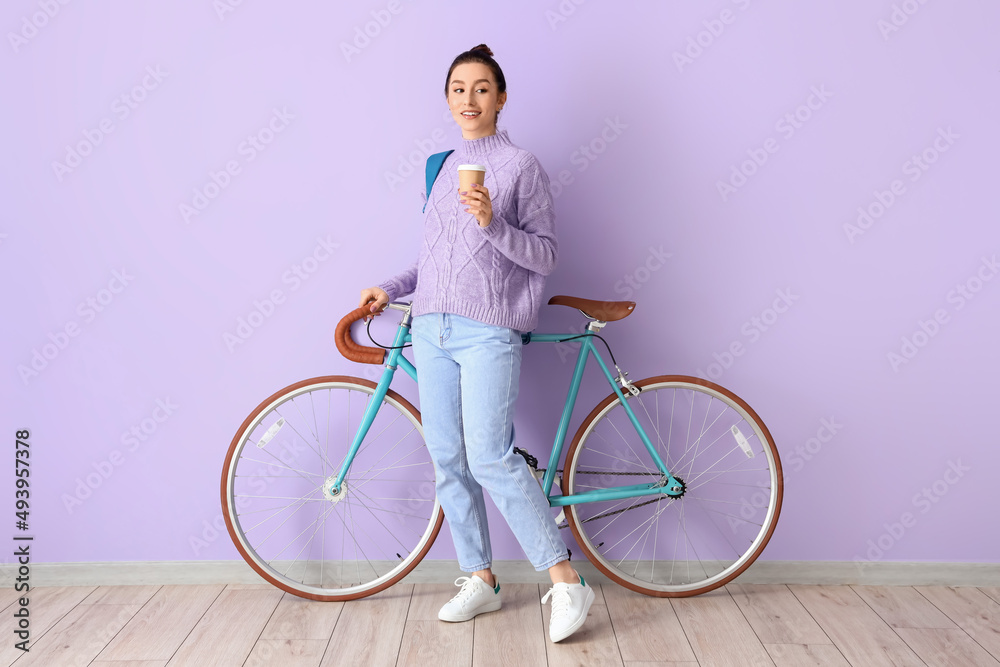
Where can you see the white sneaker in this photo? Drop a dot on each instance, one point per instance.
(570, 604)
(475, 597)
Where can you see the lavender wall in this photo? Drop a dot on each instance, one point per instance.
(724, 161)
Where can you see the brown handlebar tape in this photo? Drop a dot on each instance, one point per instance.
(363, 354)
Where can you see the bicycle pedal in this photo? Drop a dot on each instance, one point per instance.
(528, 458)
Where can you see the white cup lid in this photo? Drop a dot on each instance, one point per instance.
(471, 167)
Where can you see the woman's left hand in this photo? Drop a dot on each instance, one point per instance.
(479, 205)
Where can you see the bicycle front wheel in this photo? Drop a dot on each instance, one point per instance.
(277, 495)
(717, 445)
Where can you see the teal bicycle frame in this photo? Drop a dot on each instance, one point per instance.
(666, 485)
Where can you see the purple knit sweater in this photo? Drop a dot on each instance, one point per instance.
(494, 274)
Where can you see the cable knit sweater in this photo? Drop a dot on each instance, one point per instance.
(494, 274)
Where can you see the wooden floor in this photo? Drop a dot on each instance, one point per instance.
(740, 625)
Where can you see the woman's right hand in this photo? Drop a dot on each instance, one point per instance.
(378, 299)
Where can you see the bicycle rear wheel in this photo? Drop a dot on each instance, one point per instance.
(717, 445)
(280, 511)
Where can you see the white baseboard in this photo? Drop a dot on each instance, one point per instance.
(511, 571)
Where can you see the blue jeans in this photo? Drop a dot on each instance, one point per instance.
(469, 373)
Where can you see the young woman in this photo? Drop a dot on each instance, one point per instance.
(477, 285)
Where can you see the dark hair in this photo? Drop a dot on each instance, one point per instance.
(478, 54)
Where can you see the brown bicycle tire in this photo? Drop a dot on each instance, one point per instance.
(438, 520)
(573, 521)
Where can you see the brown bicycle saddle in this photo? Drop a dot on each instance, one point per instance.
(605, 311)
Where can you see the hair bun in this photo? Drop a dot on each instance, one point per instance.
(482, 47)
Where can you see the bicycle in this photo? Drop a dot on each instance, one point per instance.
(346, 493)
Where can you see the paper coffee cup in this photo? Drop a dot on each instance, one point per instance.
(469, 174)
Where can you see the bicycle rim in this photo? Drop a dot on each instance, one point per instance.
(719, 447)
(292, 529)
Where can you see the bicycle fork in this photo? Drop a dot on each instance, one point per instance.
(334, 485)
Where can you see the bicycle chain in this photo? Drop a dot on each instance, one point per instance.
(624, 509)
(532, 462)
(607, 514)
(609, 472)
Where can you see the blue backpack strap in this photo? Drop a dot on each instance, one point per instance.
(434, 163)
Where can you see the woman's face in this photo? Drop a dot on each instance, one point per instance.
(472, 89)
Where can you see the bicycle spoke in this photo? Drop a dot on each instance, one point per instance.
(367, 442)
(269, 535)
(688, 541)
(618, 458)
(412, 516)
(652, 561)
(718, 473)
(670, 431)
(319, 522)
(279, 510)
(645, 536)
(292, 426)
(300, 499)
(698, 441)
(290, 512)
(301, 473)
(704, 540)
(322, 551)
(326, 454)
(246, 495)
(312, 403)
(659, 438)
(619, 541)
(701, 434)
(374, 516)
(734, 516)
(610, 512)
(721, 532)
(350, 531)
(238, 476)
(625, 441)
(393, 465)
